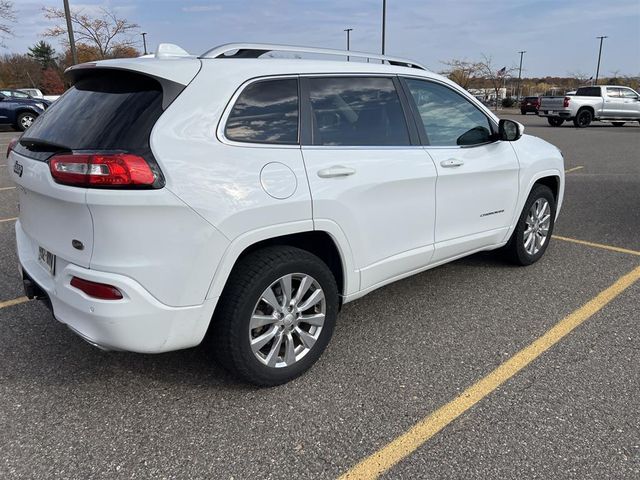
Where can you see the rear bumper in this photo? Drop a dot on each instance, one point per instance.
(137, 323)
(556, 113)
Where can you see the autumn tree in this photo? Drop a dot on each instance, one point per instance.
(18, 71)
(7, 17)
(462, 72)
(51, 83)
(104, 32)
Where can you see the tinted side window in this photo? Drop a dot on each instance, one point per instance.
(266, 112)
(449, 119)
(357, 111)
(588, 92)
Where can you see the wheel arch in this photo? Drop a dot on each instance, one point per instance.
(331, 248)
(587, 107)
(551, 181)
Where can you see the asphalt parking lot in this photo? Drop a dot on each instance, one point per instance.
(567, 408)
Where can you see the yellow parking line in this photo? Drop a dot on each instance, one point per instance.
(15, 301)
(597, 245)
(407, 443)
(573, 169)
(3, 220)
(7, 188)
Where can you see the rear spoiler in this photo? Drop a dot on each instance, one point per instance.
(172, 77)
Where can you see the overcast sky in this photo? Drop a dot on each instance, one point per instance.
(559, 36)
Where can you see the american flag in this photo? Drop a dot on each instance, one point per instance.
(502, 71)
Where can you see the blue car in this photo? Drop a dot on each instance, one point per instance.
(20, 109)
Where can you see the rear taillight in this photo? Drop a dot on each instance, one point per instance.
(12, 143)
(115, 170)
(566, 102)
(96, 290)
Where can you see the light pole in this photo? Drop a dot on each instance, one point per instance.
(520, 71)
(72, 42)
(144, 41)
(384, 22)
(348, 30)
(599, 56)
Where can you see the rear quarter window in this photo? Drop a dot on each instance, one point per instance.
(266, 112)
(588, 92)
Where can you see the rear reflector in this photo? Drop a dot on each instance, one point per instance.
(115, 170)
(96, 290)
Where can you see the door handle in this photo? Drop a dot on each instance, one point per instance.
(336, 171)
(452, 162)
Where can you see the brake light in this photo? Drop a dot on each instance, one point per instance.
(101, 170)
(566, 102)
(96, 290)
(12, 143)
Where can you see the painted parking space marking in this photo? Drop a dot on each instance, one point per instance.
(4, 220)
(15, 301)
(597, 245)
(573, 169)
(7, 188)
(404, 445)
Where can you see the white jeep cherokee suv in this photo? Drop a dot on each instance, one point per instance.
(166, 196)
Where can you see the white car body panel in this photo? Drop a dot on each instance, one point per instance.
(468, 217)
(172, 250)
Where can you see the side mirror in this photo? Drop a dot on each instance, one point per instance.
(510, 130)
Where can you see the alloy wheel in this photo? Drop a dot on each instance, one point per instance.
(26, 121)
(537, 223)
(287, 320)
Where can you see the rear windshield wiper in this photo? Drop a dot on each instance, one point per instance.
(38, 145)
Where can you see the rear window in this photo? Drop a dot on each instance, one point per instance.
(106, 110)
(588, 92)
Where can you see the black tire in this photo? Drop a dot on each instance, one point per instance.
(618, 124)
(252, 275)
(555, 121)
(23, 120)
(523, 111)
(583, 118)
(515, 250)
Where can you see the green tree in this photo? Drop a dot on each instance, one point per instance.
(43, 53)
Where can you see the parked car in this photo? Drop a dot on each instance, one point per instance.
(37, 93)
(151, 214)
(529, 104)
(19, 109)
(607, 102)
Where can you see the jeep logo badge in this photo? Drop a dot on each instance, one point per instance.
(17, 168)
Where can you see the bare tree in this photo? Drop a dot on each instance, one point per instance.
(496, 77)
(106, 32)
(462, 72)
(7, 14)
(580, 77)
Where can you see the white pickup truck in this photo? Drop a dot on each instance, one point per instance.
(37, 93)
(604, 102)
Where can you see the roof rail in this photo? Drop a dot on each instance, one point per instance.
(254, 50)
